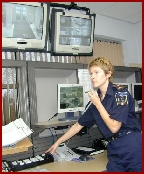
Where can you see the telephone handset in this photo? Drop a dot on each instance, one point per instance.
(63, 153)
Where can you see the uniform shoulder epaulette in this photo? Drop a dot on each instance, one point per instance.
(119, 87)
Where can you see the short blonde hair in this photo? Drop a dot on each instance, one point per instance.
(104, 64)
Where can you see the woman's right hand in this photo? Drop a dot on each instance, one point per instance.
(53, 148)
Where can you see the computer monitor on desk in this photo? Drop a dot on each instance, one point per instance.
(70, 100)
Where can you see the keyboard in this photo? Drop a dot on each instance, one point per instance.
(83, 150)
(26, 163)
(88, 150)
(97, 152)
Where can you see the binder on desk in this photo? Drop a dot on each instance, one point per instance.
(14, 132)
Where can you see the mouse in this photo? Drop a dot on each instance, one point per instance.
(84, 157)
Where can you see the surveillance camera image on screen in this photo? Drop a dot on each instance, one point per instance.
(77, 30)
(22, 25)
(70, 99)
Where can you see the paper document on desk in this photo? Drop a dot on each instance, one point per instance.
(14, 132)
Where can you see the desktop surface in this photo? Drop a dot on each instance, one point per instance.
(35, 169)
(98, 164)
(21, 146)
(75, 118)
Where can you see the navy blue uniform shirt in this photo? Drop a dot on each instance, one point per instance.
(113, 103)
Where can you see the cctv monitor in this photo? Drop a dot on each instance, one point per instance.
(24, 25)
(72, 34)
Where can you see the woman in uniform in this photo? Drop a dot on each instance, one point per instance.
(112, 109)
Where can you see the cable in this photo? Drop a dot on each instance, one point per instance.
(90, 137)
(63, 131)
(55, 133)
(52, 136)
(53, 116)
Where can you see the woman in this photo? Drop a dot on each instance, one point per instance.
(112, 108)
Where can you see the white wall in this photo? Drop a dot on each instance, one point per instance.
(46, 90)
(129, 34)
(138, 37)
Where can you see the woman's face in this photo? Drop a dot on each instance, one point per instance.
(98, 76)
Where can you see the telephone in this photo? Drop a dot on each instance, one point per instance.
(63, 153)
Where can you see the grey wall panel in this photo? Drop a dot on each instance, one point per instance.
(13, 63)
(32, 95)
(55, 65)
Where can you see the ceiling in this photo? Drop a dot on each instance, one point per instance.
(125, 11)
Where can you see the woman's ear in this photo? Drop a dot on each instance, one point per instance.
(109, 74)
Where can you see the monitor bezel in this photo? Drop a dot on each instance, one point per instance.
(32, 44)
(77, 109)
(70, 50)
(125, 83)
(135, 84)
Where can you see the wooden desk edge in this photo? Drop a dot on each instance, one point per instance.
(20, 147)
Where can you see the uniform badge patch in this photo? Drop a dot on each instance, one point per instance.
(121, 98)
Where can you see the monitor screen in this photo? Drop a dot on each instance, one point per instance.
(75, 31)
(70, 98)
(24, 25)
(72, 34)
(137, 91)
(125, 85)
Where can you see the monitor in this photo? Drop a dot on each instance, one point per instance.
(70, 99)
(137, 92)
(72, 34)
(125, 85)
(24, 25)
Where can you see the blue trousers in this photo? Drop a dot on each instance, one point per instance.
(125, 153)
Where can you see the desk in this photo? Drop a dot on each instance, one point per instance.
(96, 165)
(54, 123)
(19, 147)
(41, 126)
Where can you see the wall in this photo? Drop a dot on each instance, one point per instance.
(138, 37)
(46, 90)
(129, 34)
